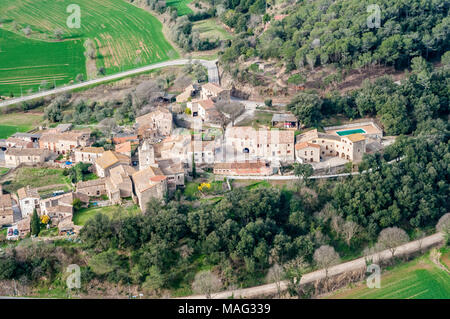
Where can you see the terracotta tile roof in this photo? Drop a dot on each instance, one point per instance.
(302, 145)
(72, 136)
(27, 192)
(90, 149)
(355, 137)
(145, 179)
(110, 158)
(25, 151)
(93, 182)
(206, 104)
(123, 147)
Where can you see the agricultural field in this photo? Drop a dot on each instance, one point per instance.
(9, 123)
(181, 6)
(36, 177)
(418, 279)
(125, 37)
(211, 29)
(83, 215)
(23, 66)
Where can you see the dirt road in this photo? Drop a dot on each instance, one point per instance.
(356, 264)
(213, 75)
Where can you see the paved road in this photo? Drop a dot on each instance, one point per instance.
(271, 289)
(213, 75)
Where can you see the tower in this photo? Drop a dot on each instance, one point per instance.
(146, 155)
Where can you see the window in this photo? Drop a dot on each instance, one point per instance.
(306, 153)
(311, 152)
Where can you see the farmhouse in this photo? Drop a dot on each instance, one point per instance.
(271, 145)
(245, 168)
(30, 156)
(109, 160)
(214, 92)
(118, 184)
(160, 120)
(87, 154)
(350, 147)
(18, 143)
(63, 143)
(23, 226)
(27, 137)
(6, 210)
(173, 169)
(28, 200)
(188, 92)
(307, 152)
(149, 183)
(92, 188)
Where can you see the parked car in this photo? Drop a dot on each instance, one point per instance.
(16, 232)
(10, 232)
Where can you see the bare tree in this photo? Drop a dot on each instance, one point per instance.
(206, 283)
(325, 257)
(349, 230)
(337, 223)
(443, 226)
(276, 274)
(392, 237)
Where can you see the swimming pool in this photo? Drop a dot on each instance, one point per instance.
(348, 132)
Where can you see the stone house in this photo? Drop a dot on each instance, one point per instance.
(18, 143)
(6, 210)
(119, 184)
(350, 147)
(109, 160)
(62, 143)
(214, 92)
(92, 188)
(160, 120)
(28, 200)
(29, 156)
(87, 154)
(270, 145)
(307, 152)
(149, 183)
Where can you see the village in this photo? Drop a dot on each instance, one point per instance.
(154, 157)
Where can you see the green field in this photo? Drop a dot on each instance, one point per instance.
(17, 122)
(181, 6)
(36, 177)
(82, 216)
(23, 66)
(211, 29)
(125, 35)
(418, 279)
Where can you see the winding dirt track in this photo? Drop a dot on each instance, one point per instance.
(270, 289)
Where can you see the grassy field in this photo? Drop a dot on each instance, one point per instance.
(82, 216)
(418, 279)
(211, 29)
(181, 6)
(125, 35)
(17, 122)
(260, 118)
(23, 66)
(36, 177)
